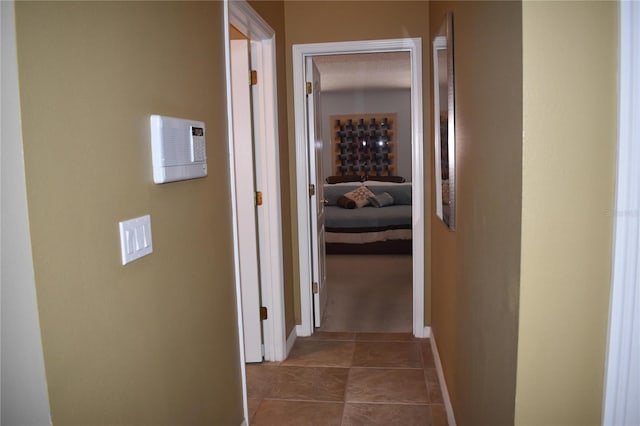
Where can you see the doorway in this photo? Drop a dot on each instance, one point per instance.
(364, 121)
(306, 175)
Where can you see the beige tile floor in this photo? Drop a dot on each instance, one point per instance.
(348, 379)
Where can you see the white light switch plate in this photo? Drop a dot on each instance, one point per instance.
(135, 238)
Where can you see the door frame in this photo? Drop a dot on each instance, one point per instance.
(300, 53)
(25, 394)
(263, 57)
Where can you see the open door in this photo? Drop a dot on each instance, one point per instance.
(246, 200)
(317, 200)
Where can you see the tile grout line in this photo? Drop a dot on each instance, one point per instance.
(319, 401)
(354, 366)
(421, 404)
(322, 401)
(346, 382)
(252, 416)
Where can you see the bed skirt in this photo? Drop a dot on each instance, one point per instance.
(377, 247)
(368, 240)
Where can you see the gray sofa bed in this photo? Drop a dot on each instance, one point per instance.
(369, 230)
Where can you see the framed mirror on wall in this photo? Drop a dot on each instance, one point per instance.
(444, 123)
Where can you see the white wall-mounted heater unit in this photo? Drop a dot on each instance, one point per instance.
(178, 149)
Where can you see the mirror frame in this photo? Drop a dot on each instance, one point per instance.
(445, 206)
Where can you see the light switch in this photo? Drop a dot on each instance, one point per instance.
(135, 238)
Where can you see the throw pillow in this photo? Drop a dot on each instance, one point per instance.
(382, 200)
(346, 203)
(360, 196)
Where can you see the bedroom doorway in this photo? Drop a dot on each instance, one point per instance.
(307, 182)
(364, 118)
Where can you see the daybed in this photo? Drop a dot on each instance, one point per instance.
(369, 229)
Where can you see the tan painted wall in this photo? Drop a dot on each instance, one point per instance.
(153, 342)
(330, 21)
(273, 13)
(235, 34)
(568, 183)
(476, 269)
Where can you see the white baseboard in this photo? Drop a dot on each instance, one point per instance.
(443, 385)
(300, 332)
(427, 332)
(291, 340)
(244, 423)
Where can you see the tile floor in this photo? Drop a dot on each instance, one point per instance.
(340, 379)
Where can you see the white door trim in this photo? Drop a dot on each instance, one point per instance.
(622, 380)
(300, 53)
(25, 397)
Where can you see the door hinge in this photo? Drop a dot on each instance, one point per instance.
(309, 88)
(258, 198)
(312, 190)
(263, 313)
(254, 78)
(314, 287)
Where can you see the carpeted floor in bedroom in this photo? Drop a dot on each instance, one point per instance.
(368, 293)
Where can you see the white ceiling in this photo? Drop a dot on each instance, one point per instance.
(364, 71)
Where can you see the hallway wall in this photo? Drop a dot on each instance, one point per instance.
(334, 21)
(570, 108)
(155, 341)
(476, 269)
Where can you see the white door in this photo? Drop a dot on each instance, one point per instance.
(317, 200)
(245, 198)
